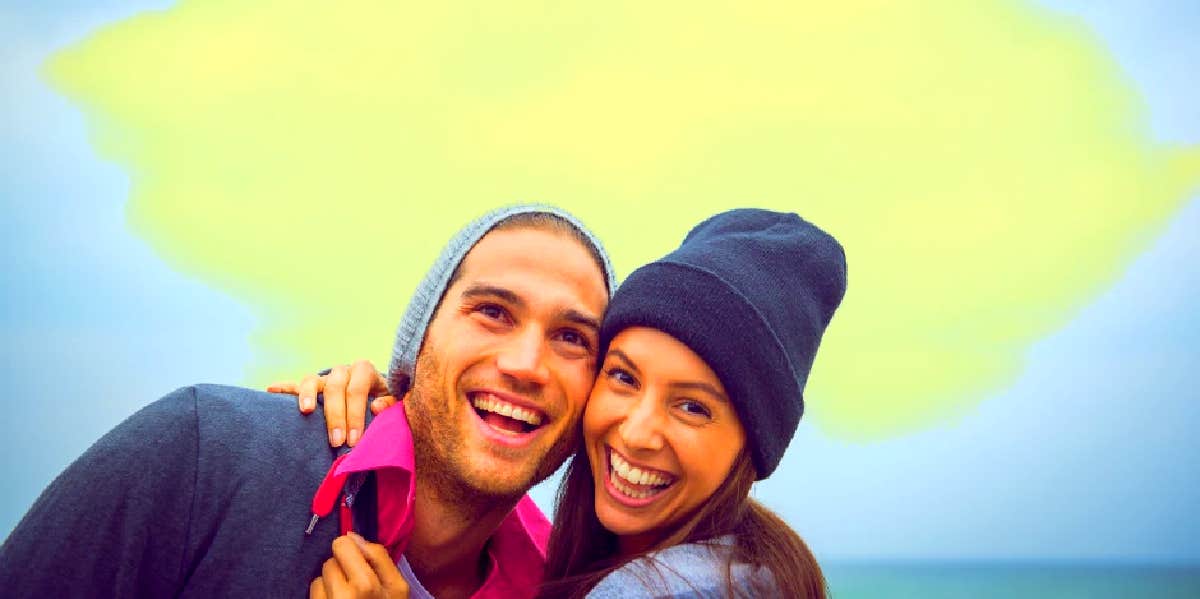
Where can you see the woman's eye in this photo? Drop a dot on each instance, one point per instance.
(621, 376)
(695, 408)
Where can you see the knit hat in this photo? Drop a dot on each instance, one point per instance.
(751, 292)
(428, 295)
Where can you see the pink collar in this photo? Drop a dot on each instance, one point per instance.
(517, 549)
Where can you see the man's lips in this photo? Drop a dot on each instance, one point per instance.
(507, 406)
(506, 419)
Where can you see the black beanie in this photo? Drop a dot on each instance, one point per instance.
(751, 292)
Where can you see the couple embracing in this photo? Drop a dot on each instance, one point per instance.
(671, 395)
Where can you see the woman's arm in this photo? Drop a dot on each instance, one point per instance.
(346, 392)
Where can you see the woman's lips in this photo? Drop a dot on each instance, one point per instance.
(634, 486)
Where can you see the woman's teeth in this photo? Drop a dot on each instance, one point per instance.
(631, 492)
(624, 475)
(491, 403)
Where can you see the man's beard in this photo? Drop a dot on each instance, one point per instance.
(440, 447)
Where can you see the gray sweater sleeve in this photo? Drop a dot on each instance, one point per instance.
(690, 570)
(115, 523)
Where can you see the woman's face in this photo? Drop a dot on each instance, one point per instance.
(660, 432)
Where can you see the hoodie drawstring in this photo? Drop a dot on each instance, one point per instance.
(331, 488)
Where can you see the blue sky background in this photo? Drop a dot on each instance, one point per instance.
(1091, 454)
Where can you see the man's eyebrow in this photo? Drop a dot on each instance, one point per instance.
(705, 387)
(484, 290)
(582, 319)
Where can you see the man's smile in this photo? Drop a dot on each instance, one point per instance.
(509, 420)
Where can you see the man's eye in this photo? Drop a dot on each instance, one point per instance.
(575, 338)
(491, 311)
(621, 376)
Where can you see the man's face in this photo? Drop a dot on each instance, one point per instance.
(507, 363)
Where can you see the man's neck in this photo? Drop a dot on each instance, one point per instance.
(446, 550)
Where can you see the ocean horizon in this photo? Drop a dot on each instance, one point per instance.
(986, 579)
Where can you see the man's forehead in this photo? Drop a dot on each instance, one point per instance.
(532, 255)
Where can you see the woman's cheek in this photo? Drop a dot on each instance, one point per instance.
(596, 415)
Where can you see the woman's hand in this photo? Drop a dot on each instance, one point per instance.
(358, 569)
(346, 390)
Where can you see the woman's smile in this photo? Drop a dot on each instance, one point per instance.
(635, 486)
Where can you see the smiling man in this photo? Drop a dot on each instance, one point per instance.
(500, 383)
(207, 491)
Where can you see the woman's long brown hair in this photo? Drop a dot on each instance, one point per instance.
(582, 551)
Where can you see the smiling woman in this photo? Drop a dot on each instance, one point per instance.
(706, 355)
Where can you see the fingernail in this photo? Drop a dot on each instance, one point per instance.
(272, 389)
(336, 437)
(308, 403)
(353, 438)
(361, 542)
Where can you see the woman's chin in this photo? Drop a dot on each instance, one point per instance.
(620, 522)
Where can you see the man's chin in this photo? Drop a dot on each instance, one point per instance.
(501, 473)
(499, 485)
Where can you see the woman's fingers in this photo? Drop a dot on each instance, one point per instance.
(382, 403)
(335, 404)
(361, 384)
(307, 392)
(288, 387)
(348, 391)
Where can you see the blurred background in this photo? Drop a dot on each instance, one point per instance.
(1006, 405)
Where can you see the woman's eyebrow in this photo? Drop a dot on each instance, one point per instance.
(699, 386)
(620, 355)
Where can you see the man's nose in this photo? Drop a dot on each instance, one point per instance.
(523, 357)
(642, 427)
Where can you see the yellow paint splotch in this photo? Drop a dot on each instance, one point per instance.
(984, 163)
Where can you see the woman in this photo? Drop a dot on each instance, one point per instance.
(705, 356)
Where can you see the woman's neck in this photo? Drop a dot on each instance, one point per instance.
(632, 545)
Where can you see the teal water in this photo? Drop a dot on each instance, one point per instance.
(987, 580)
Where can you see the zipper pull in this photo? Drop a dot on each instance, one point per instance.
(311, 525)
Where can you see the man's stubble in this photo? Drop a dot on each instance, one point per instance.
(442, 461)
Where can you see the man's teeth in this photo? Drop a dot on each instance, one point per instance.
(491, 403)
(633, 474)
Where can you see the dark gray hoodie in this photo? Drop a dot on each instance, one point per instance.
(203, 493)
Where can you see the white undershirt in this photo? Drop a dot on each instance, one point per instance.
(415, 590)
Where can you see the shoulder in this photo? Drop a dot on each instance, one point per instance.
(246, 434)
(688, 570)
(230, 433)
(241, 418)
(216, 403)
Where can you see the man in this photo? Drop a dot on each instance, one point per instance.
(207, 492)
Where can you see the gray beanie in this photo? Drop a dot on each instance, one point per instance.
(425, 299)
